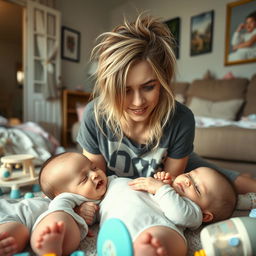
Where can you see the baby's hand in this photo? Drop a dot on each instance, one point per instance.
(165, 177)
(148, 184)
(240, 27)
(87, 211)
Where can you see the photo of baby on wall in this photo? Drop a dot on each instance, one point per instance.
(241, 32)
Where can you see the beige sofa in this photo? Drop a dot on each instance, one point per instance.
(229, 146)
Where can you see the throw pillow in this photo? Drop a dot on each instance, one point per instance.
(216, 109)
(229, 75)
(80, 110)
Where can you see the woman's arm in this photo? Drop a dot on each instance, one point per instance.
(175, 166)
(98, 160)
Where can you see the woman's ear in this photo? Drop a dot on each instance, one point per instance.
(207, 216)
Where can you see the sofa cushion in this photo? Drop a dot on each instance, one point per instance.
(218, 90)
(250, 106)
(221, 109)
(229, 143)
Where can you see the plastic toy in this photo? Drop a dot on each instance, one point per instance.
(17, 179)
(114, 239)
(78, 253)
(235, 236)
(22, 254)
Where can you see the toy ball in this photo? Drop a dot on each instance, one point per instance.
(29, 195)
(5, 174)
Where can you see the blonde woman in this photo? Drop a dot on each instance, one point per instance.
(134, 127)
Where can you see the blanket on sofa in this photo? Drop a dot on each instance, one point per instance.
(203, 122)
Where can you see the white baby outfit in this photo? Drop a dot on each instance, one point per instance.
(141, 210)
(66, 202)
(25, 211)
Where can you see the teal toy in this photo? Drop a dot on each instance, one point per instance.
(5, 173)
(29, 195)
(78, 253)
(22, 254)
(15, 193)
(114, 239)
(36, 188)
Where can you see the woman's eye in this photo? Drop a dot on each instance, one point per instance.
(149, 87)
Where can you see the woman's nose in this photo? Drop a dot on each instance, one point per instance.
(138, 98)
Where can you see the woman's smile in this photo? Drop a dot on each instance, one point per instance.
(138, 111)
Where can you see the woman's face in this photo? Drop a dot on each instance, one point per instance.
(142, 92)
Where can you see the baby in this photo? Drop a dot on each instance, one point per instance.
(156, 219)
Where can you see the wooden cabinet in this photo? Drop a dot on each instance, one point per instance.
(70, 101)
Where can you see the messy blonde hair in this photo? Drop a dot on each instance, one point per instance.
(146, 39)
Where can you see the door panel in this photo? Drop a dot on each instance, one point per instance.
(41, 94)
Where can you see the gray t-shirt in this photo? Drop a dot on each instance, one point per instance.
(130, 159)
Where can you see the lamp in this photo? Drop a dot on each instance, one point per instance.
(20, 77)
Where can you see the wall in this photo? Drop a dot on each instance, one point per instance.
(190, 67)
(10, 59)
(90, 19)
(94, 17)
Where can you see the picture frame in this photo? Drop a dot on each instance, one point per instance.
(174, 26)
(70, 44)
(201, 33)
(240, 42)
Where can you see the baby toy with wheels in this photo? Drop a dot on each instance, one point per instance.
(17, 179)
(114, 239)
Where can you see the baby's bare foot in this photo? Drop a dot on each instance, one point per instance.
(51, 239)
(8, 245)
(148, 245)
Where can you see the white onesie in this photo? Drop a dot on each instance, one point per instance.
(25, 211)
(141, 210)
(66, 202)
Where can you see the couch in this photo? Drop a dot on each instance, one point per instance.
(231, 143)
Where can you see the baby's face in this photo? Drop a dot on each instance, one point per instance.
(250, 24)
(80, 176)
(199, 185)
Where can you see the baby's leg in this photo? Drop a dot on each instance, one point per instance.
(159, 241)
(56, 233)
(14, 236)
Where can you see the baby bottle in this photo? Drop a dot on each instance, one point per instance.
(235, 236)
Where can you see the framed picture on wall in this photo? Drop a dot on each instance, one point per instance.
(201, 33)
(70, 44)
(240, 32)
(174, 26)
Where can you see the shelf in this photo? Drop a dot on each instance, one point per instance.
(70, 100)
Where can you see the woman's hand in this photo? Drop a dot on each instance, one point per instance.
(87, 211)
(148, 184)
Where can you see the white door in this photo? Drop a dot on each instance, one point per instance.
(42, 65)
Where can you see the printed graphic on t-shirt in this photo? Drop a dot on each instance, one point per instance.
(126, 163)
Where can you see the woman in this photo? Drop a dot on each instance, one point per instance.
(134, 127)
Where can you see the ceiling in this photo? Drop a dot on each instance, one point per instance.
(10, 22)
